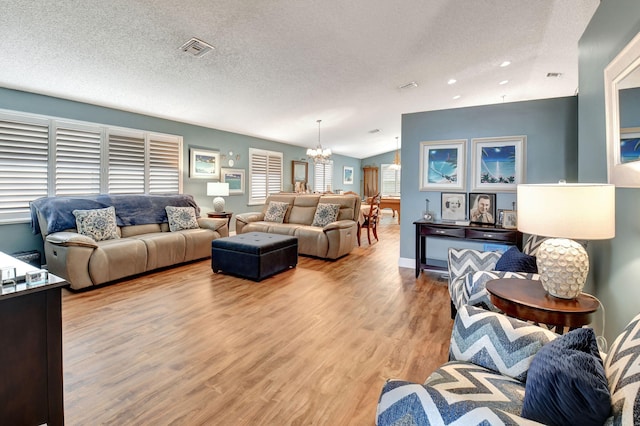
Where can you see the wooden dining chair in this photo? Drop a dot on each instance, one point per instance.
(371, 219)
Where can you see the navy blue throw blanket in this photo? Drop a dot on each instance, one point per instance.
(130, 209)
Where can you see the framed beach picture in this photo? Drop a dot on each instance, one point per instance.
(482, 208)
(498, 164)
(299, 171)
(629, 145)
(442, 165)
(454, 206)
(347, 175)
(235, 179)
(204, 164)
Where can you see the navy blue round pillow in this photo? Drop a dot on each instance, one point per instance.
(566, 383)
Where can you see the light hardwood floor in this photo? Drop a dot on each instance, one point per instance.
(309, 346)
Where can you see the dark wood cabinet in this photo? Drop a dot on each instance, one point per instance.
(473, 232)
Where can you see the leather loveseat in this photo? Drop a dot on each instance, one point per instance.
(299, 213)
(142, 239)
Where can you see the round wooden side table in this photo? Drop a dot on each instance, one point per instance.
(529, 301)
(222, 215)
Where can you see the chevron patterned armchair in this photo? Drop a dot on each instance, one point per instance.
(493, 372)
(470, 270)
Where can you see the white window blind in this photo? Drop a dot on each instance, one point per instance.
(164, 164)
(390, 180)
(77, 160)
(265, 174)
(24, 152)
(126, 164)
(323, 176)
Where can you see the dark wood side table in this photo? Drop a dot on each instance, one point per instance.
(528, 300)
(222, 215)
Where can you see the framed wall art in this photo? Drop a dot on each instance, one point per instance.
(235, 179)
(510, 219)
(454, 206)
(442, 165)
(299, 171)
(498, 164)
(347, 175)
(204, 164)
(482, 208)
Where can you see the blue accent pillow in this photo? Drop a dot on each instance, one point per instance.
(566, 383)
(513, 260)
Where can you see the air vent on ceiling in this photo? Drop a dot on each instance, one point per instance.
(196, 47)
(554, 74)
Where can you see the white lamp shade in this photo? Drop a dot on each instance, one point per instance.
(217, 189)
(567, 210)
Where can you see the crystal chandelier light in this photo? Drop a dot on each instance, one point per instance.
(319, 155)
(396, 161)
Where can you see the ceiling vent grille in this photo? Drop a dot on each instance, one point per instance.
(196, 47)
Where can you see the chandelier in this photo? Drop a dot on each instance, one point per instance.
(319, 155)
(396, 161)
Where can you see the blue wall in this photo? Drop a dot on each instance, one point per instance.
(17, 237)
(615, 263)
(549, 124)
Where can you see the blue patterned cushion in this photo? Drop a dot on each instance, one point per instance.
(622, 366)
(181, 218)
(325, 214)
(99, 224)
(275, 212)
(513, 260)
(497, 342)
(566, 384)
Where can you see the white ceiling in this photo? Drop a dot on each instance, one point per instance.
(280, 65)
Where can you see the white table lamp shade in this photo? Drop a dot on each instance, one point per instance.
(564, 212)
(218, 190)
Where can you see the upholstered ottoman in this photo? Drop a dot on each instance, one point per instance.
(254, 255)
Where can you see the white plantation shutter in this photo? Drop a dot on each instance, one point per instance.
(164, 164)
(77, 160)
(265, 174)
(323, 176)
(390, 180)
(24, 151)
(126, 163)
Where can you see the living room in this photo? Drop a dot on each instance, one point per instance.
(565, 140)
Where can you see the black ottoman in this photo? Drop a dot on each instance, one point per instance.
(254, 255)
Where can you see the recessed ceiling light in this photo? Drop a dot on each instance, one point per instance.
(503, 82)
(457, 97)
(452, 81)
(408, 85)
(505, 64)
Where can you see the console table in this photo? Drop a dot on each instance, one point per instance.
(31, 356)
(472, 232)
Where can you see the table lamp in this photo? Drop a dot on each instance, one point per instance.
(565, 211)
(218, 190)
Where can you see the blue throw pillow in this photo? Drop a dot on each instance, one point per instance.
(566, 383)
(513, 260)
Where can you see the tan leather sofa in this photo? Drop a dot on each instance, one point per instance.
(84, 262)
(332, 241)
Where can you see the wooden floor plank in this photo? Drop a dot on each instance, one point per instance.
(310, 346)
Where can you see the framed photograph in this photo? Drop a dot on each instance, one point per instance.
(299, 171)
(498, 163)
(510, 220)
(482, 208)
(629, 149)
(347, 175)
(235, 179)
(454, 206)
(442, 165)
(204, 164)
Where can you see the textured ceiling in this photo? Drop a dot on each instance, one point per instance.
(280, 65)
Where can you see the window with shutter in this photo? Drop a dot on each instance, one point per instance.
(164, 164)
(323, 176)
(126, 163)
(390, 180)
(265, 174)
(77, 159)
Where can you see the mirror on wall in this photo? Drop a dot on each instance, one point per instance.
(622, 105)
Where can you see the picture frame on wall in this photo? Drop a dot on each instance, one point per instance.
(299, 171)
(510, 219)
(443, 165)
(453, 206)
(482, 208)
(235, 179)
(204, 164)
(347, 175)
(498, 164)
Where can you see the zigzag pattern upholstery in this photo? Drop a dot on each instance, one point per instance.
(622, 367)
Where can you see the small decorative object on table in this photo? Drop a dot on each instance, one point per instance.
(428, 214)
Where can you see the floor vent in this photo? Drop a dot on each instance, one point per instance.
(196, 47)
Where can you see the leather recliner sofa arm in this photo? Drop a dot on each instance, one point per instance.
(71, 239)
(218, 225)
(340, 224)
(243, 219)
